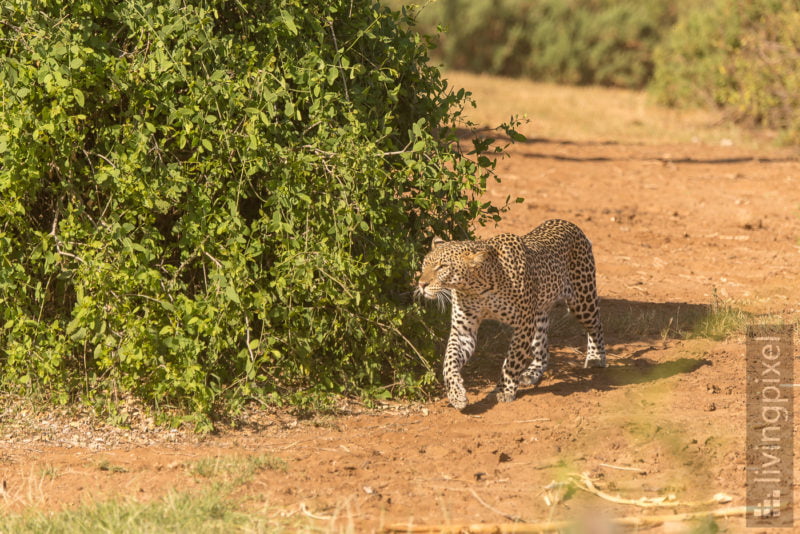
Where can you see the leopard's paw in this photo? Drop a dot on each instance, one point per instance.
(594, 362)
(530, 379)
(457, 398)
(505, 396)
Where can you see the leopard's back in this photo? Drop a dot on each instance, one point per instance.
(558, 239)
(562, 262)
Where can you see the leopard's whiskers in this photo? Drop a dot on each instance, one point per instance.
(417, 294)
(443, 298)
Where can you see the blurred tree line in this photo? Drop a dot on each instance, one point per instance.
(740, 55)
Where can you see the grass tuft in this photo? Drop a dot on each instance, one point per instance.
(237, 470)
(721, 322)
(208, 512)
(105, 465)
(177, 512)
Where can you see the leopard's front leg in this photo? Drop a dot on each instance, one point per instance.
(539, 352)
(460, 346)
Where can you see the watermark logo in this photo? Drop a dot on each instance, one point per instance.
(770, 424)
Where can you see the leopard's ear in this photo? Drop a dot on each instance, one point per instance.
(480, 256)
(437, 242)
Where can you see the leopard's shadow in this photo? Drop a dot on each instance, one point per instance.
(652, 324)
(574, 379)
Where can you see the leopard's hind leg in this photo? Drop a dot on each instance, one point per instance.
(583, 303)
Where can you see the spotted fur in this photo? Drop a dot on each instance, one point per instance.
(515, 280)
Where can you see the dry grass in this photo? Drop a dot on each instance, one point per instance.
(597, 114)
(214, 509)
(238, 470)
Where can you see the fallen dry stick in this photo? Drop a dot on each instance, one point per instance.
(621, 468)
(304, 509)
(552, 526)
(495, 510)
(646, 502)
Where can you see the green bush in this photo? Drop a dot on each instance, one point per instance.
(766, 69)
(743, 56)
(689, 61)
(207, 201)
(605, 42)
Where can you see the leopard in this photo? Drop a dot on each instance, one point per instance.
(515, 280)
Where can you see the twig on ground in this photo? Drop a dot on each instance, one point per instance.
(553, 526)
(510, 517)
(621, 468)
(306, 512)
(585, 483)
(539, 420)
(655, 520)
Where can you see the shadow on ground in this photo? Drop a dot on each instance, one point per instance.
(466, 135)
(624, 322)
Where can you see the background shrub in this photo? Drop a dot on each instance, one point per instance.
(689, 62)
(740, 55)
(604, 42)
(207, 201)
(743, 56)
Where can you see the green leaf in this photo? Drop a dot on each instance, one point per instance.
(78, 96)
(417, 127)
(230, 293)
(288, 21)
(288, 109)
(333, 75)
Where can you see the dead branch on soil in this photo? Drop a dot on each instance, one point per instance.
(514, 518)
(522, 421)
(552, 526)
(585, 483)
(305, 511)
(622, 468)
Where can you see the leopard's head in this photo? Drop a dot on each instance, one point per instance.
(463, 266)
